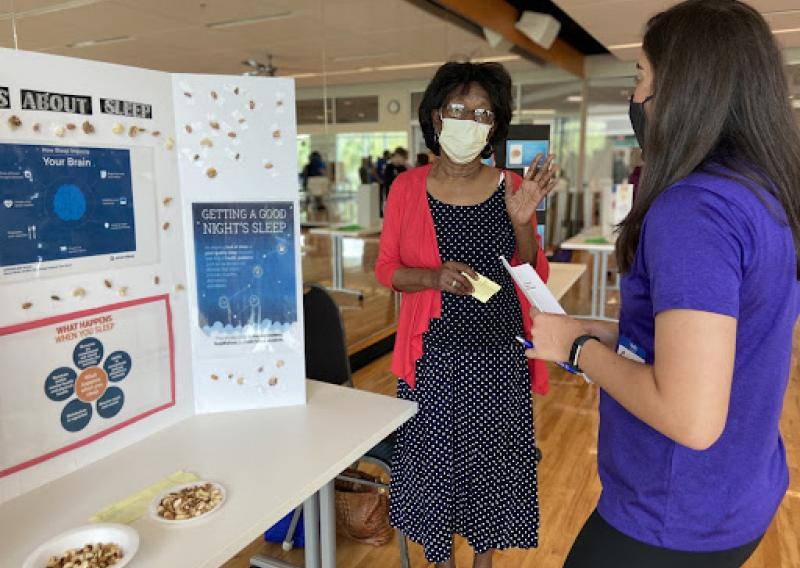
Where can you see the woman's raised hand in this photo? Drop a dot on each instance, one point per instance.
(538, 182)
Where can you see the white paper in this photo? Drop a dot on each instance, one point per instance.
(534, 288)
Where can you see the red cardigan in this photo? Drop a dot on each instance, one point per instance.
(409, 240)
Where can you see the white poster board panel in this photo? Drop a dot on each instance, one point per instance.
(83, 106)
(237, 158)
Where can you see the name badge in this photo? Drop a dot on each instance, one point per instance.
(630, 350)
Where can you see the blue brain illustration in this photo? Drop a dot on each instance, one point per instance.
(69, 202)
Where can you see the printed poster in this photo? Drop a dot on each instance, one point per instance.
(73, 207)
(69, 380)
(245, 270)
(520, 153)
(64, 202)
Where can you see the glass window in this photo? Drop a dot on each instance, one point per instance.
(303, 150)
(352, 147)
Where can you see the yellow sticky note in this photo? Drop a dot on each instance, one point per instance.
(135, 506)
(483, 288)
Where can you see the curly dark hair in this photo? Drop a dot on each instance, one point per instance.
(495, 80)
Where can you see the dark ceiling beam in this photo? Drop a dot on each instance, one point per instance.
(500, 16)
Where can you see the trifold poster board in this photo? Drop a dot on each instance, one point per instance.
(149, 256)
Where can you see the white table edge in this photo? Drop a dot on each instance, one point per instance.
(332, 231)
(258, 528)
(577, 272)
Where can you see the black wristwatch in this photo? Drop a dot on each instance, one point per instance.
(577, 347)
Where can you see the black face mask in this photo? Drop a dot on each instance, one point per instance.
(638, 119)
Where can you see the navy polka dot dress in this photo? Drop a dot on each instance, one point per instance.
(465, 463)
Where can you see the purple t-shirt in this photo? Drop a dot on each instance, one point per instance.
(707, 244)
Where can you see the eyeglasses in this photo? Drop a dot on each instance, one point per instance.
(461, 112)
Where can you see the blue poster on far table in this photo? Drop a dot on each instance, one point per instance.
(520, 153)
(61, 203)
(245, 265)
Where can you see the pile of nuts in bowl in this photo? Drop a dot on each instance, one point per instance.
(98, 555)
(190, 502)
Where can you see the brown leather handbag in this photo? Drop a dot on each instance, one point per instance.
(362, 511)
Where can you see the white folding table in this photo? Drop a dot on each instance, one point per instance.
(563, 276)
(600, 251)
(269, 461)
(337, 236)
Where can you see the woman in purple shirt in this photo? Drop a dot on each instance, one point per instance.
(693, 377)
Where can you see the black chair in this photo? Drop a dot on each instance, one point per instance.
(327, 361)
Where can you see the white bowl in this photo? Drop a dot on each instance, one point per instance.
(153, 509)
(108, 533)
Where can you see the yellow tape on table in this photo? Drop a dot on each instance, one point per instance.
(135, 506)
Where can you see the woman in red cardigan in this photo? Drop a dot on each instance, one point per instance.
(465, 464)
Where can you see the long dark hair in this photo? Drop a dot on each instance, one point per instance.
(721, 106)
(495, 80)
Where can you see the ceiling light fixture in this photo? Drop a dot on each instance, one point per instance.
(574, 99)
(402, 67)
(625, 46)
(249, 21)
(96, 42)
(538, 111)
(63, 6)
(786, 31)
(366, 56)
(406, 66)
(639, 44)
(497, 59)
(782, 12)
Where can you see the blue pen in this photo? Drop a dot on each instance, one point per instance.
(528, 345)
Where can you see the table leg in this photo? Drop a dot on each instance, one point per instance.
(311, 531)
(603, 283)
(260, 561)
(398, 298)
(337, 268)
(328, 525)
(595, 281)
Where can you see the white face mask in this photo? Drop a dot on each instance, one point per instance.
(463, 140)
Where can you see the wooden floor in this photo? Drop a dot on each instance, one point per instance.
(566, 430)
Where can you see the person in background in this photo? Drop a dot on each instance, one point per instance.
(380, 166)
(423, 159)
(380, 173)
(620, 169)
(636, 171)
(395, 167)
(366, 170)
(465, 464)
(693, 378)
(314, 168)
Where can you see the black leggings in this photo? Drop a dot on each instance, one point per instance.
(599, 545)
